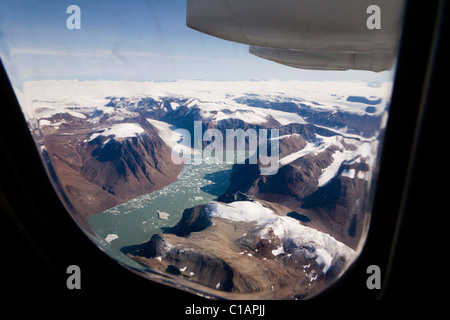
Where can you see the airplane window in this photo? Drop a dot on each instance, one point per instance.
(228, 148)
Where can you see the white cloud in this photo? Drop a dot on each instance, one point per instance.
(59, 51)
(105, 53)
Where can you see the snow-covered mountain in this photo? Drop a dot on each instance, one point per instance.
(109, 142)
(323, 176)
(328, 131)
(246, 249)
(256, 101)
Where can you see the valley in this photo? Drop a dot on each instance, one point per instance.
(227, 228)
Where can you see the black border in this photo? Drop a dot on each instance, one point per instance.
(406, 186)
(39, 240)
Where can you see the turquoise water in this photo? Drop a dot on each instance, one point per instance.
(137, 220)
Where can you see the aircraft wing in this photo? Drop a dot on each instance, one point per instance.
(327, 60)
(313, 34)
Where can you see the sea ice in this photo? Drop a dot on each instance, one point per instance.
(110, 237)
(162, 215)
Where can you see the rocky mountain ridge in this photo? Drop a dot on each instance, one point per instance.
(97, 173)
(240, 258)
(283, 235)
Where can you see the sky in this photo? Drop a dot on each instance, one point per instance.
(130, 40)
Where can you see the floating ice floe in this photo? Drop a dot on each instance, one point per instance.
(163, 215)
(110, 237)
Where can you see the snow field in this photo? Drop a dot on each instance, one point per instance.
(285, 228)
(120, 131)
(58, 96)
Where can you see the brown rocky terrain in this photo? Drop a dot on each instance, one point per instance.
(95, 169)
(98, 174)
(240, 261)
(235, 258)
(339, 207)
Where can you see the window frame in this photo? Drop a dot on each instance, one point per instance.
(40, 227)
